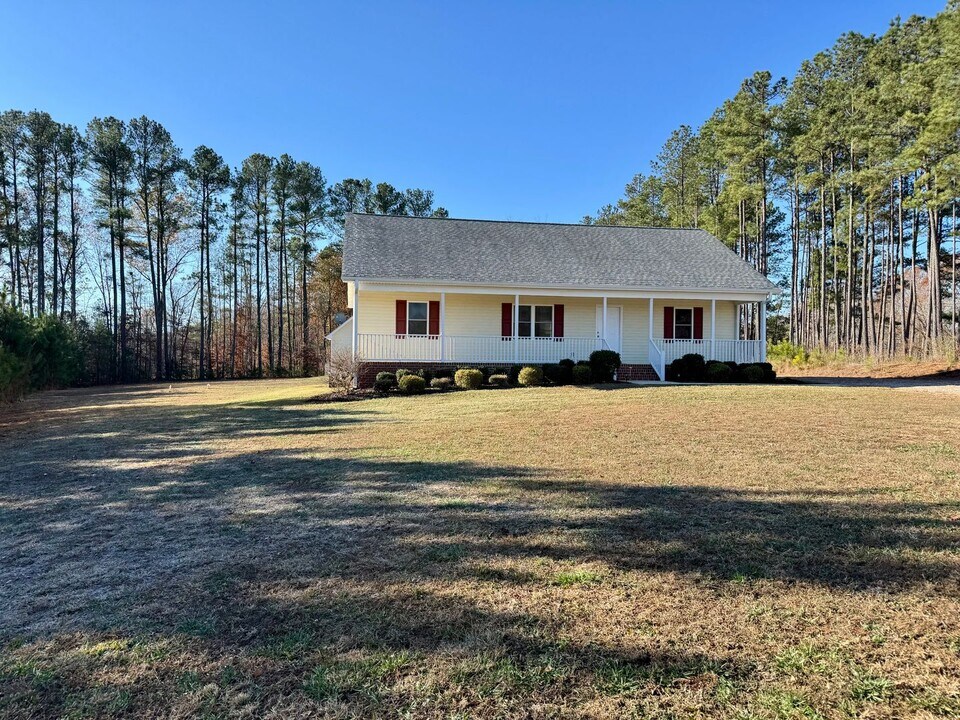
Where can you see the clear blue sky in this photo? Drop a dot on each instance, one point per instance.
(511, 110)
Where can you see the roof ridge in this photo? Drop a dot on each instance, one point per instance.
(525, 222)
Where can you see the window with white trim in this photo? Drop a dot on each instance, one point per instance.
(535, 321)
(417, 318)
(683, 323)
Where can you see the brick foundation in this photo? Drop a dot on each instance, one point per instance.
(369, 370)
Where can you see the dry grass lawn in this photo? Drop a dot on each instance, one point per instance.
(229, 550)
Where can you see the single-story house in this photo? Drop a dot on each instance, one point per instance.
(446, 293)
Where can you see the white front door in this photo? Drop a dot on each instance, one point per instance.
(613, 325)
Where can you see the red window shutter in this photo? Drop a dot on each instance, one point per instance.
(668, 323)
(558, 321)
(698, 323)
(433, 313)
(401, 317)
(506, 319)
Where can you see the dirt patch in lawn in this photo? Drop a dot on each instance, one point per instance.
(232, 550)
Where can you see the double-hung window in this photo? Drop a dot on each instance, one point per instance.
(535, 321)
(416, 318)
(683, 323)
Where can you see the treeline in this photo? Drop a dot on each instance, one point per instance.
(174, 266)
(842, 184)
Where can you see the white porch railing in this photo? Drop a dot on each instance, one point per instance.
(473, 348)
(739, 351)
(656, 358)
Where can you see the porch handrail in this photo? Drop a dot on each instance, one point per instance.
(656, 359)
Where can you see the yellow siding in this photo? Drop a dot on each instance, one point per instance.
(479, 315)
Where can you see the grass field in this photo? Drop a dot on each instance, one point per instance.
(229, 550)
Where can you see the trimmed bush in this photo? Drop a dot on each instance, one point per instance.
(499, 380)
(402, 372)
(513, 373)
(751, 373)
(689, 368)
(441, 383)
(718, 372)
(426, 374)
(769, 374)
(385, 377)
(468, 378)
(582, 375)
(567, 363)
(530, 376)
(411, 384)
(604, 363)
(558, 374)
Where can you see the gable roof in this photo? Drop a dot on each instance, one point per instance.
(399, 248)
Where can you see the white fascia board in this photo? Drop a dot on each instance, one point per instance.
(564, 291)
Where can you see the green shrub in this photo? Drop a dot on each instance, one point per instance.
(411, 384)
(751, 373)
(785, 351)
(689, 368)
(718, 372)
(441, 383)
(558, 374)
(582, 375)
(402, 372)
(604, 363)
(37, 353)
(769, 374)
(567, 363)
(499, 380)
(14, 376)
(426, 374)
(513, 373)
(387, 377)
(530, 376)
(468, 378)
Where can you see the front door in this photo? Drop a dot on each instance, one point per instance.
(613, 325)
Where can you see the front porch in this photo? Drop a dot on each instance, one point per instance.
(416, 327)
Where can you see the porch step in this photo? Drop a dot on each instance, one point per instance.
(637, 372)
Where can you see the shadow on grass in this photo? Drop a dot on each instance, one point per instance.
(240, 554)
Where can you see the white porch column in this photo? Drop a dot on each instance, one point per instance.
(516, 328)
(713, 329)
(443, 319)
(762, 309)
(650, 321)
(603, 331)
(355, 340)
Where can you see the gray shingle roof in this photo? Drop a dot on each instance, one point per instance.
(383, 247)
